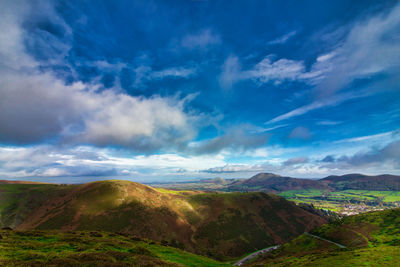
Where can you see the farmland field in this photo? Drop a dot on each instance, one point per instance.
(337, 200)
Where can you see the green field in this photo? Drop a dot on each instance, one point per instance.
(335, 200)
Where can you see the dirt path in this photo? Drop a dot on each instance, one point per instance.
(254, 254)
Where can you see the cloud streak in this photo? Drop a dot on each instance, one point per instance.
(283, 39)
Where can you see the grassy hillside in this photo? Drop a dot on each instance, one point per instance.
(218, 225)
(19, 199)
(372, 239)
(55, 248)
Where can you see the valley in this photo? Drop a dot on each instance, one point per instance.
(221, 225)
(347, 195)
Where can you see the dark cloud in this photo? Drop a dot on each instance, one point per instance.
(328, 158)
(237, 139)
(296, 161)
(300, 133)
(389, 154)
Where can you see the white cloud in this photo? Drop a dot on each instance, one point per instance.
(67, 162)
(12, 49)
(277, 71)
(36, 105)
(265, 71)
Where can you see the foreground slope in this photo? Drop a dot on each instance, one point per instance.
(90, 248)
(218, 225)
(371, 239)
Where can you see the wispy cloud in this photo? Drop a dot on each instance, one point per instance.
(323, 103)
(328, 123)
(179, 72)
(368, 138)
(372, 46)
(200, 40)
(283, 39)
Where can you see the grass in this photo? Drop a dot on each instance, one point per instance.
(90, 248)
(372, 239)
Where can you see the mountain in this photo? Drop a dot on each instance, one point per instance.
(269, 182)
(275, 183)
(370, 239)
(384, 182)
(218, 225)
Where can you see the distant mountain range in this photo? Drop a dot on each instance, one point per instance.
(270, 182)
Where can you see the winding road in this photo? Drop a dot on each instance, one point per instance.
(265, 250)
(337, 244)
(254, 254)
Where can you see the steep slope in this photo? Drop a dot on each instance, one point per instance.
(220, 225)
(19, 199)
(270, 182)
(371, 239)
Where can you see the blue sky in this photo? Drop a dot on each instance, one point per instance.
(177, 90)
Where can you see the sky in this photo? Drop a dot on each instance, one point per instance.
(154, 91)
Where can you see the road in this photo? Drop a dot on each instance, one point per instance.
(265, 250)
(254, 254)
(337, 244)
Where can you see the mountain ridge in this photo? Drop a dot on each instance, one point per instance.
(217, 225)
(270, 182)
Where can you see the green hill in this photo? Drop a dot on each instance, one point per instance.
(372, 239)
(269, 182)
(218, 225)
